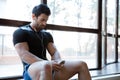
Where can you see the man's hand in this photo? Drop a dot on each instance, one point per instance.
(57, 65)
(61, 62)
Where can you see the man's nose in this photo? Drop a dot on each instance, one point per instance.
(44, 23)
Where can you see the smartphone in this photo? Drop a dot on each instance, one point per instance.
(61, 62)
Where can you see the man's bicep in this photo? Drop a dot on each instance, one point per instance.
(51, 48)
(21, 47)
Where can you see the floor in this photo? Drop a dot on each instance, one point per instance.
(107, 70)
(108, 77)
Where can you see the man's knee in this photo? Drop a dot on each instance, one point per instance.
(82, 65)
(44, 66)
(37, 68)
(47, 66)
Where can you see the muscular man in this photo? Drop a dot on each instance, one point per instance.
(31, 42)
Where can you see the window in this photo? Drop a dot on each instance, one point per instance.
(111, 28)
(17, 9)
(84, 15)
(76, 46)
(77, 13)
(6, 44)
(14, 10)
(110, 50)
(81, 14)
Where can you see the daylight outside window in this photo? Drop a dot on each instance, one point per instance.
(75, 13)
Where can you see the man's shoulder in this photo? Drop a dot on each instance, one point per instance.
(25, 27)
(21, 30)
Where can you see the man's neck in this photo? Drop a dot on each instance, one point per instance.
(33, 27)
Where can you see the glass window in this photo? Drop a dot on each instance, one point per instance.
(10, 63)
(6, 44)
(111, 26)
(76, 46)
(17, 9)
(119, 20)
(81, 13)
(82, 46)
(14, 10)
(111, 12)
(110, 49)
(1, 43)
(119, 49)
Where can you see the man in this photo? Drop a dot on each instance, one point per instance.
(31, 43)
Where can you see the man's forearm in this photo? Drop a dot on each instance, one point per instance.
(30, 58)
(56, 56)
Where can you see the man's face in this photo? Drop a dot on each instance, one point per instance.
(41, 21)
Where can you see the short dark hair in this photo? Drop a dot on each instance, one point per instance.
(41, 8)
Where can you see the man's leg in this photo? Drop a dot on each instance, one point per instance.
(71, 68)
(41, 70)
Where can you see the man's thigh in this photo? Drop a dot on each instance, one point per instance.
(69, 69)
(35, 69)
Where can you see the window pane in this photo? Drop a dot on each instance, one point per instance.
(119, 20)
(111, 26)
(110, 49)
(6, 45)
(17, 9)
(81, 13)
(111, 12)
(119, 49)
(1, 43)
(77, 46)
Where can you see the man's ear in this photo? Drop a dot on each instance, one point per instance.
(33, 16)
